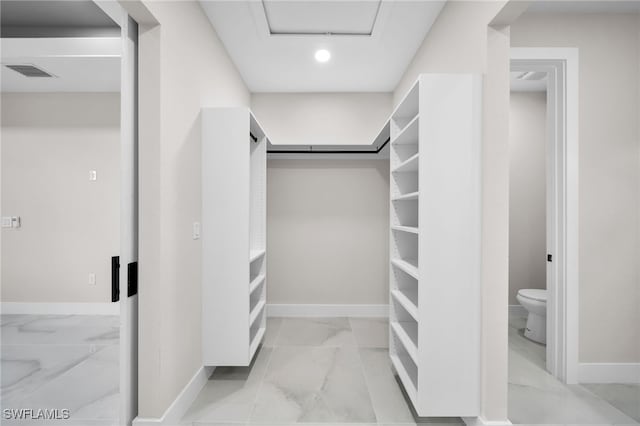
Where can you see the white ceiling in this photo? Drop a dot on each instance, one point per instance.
(523, 85)
(78, 64)
(273, 42)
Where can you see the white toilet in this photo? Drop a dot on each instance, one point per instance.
(535, 302)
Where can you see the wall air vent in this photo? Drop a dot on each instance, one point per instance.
(29, 71)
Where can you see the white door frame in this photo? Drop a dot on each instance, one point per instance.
(128, 207)
(562, 202)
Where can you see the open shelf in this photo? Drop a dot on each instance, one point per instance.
(407, 333)
(435, 143)
(410, 266)
(398, 154)
(257, 334)
(255, 312)
(408, 302)
(408, 373)
(255, 283)
(407, 110)
(409, 165)
(404, 213)
(404, 250)
(409, 134)
(405, 183)
(256, 254)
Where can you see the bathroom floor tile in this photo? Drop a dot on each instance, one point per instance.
(536, 397)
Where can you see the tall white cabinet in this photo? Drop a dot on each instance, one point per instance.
(233, 236)
(434, 325)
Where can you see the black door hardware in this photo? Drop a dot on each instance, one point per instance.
(115, 278)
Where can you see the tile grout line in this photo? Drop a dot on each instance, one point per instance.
(366, 382)
(264, 375)
(364, 373)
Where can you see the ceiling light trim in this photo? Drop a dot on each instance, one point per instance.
(273, 33)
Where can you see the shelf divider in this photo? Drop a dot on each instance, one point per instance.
(408, 344)
(256, 341)
(255, 313)
(409, 165)
(409, 229)
(409, 133)
(406, 303)
(405, 197)
(407, 267)
(255, 255)
(408, 383)
(256, 283)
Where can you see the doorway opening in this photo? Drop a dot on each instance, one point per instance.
(68, 189)
(559, 66)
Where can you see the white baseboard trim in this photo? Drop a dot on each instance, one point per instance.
(327, 311)
(609, 372)
(517, 311)
(481, 421)
(181, 404)
(25, 308)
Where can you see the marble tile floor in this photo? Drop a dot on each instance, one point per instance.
(336, 371)
(61, 361)
(536, 397)
(312, 371)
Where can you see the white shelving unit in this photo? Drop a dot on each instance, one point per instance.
(435, 159)
(234, 276)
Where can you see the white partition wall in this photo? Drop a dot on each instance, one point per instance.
(435, 244)
(233, 236)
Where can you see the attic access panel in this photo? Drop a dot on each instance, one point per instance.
(321, 17)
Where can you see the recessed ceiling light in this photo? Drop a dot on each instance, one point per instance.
(323, 55)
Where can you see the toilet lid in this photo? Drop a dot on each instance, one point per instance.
(534, 294)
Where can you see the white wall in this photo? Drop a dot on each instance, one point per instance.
(462, 41)
(609, 162)
(527, 192)
(327, 220)
(183, 67)
(70, 226)
(322, 118)
(328, 231)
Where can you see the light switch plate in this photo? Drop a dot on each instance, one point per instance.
(7, 222)
(93, 175)
(196, 230)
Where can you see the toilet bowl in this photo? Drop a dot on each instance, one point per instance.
(535, 302)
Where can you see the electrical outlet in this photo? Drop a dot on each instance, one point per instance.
(196, 230)
(92, 279)
(93, 175)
